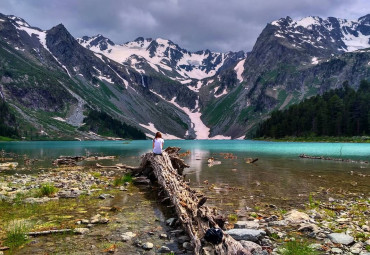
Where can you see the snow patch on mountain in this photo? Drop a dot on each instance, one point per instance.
(153, 129)
(347, 35)
(239, 69)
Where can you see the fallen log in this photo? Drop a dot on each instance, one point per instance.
(195, 217)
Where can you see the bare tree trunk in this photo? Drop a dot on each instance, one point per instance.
(195, 218)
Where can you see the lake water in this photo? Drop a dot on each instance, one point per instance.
(279, 176)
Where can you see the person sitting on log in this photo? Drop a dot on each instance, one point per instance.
(158, 143)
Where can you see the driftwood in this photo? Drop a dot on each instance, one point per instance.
(195, 217)
(67, 160)
(333, 159)
(119, 167)
(48, 232)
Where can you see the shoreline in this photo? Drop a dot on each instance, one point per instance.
(89, 201)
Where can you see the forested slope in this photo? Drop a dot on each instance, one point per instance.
(339, 112)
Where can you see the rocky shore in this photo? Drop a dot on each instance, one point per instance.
(105, 213)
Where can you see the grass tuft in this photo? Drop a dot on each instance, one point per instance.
(47, 189)
(297, 248)
(16, 234)
(119, 181)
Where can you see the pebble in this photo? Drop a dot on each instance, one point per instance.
(81, 231)
(127, 236)
(148, 246)
(336, 251)
(164, 249)
(163, 236)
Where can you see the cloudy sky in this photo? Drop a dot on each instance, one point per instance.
(218, 25)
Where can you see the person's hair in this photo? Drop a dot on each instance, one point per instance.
(158, 135)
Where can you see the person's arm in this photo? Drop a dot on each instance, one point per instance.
(153, 144)
(162, 143)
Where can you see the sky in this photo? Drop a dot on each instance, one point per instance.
(217, 25)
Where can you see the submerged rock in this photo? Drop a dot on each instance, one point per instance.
(127, 236)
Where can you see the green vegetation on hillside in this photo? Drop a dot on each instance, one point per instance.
(103, 124)
(339, 112)
(8, 126)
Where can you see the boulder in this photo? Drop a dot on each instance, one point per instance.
(296, 217)
(246, 234)
(341, 238)
(251, 246)
(247, 224)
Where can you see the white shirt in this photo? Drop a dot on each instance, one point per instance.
(158, 145)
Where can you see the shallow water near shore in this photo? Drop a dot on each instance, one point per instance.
(279, 176)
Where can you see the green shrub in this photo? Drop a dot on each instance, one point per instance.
(16, 234)
(297, 248)
(47, 189)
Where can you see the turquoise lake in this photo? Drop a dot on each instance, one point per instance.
(279, 176)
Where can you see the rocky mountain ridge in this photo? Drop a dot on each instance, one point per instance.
(51, 79)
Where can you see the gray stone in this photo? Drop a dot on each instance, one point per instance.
(187, 246)
(365, 228)
(308, 227)
(105, 196)
(163, 236)
(81, 231)
(246, 234)
(251, 246)
(336, 251)
(247, 224)
(171, 221)
(182, 239)
(341, 238)
(148, 246)
(164, 249)
(278, 223)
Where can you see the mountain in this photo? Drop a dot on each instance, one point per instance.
(51, 81)
(163, 56)
(290, 61)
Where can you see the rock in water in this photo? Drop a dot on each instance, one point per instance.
(246, 234)
(341, 238)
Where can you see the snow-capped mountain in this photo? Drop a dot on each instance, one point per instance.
(331, 34)
(163, 56)
(49, 77)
